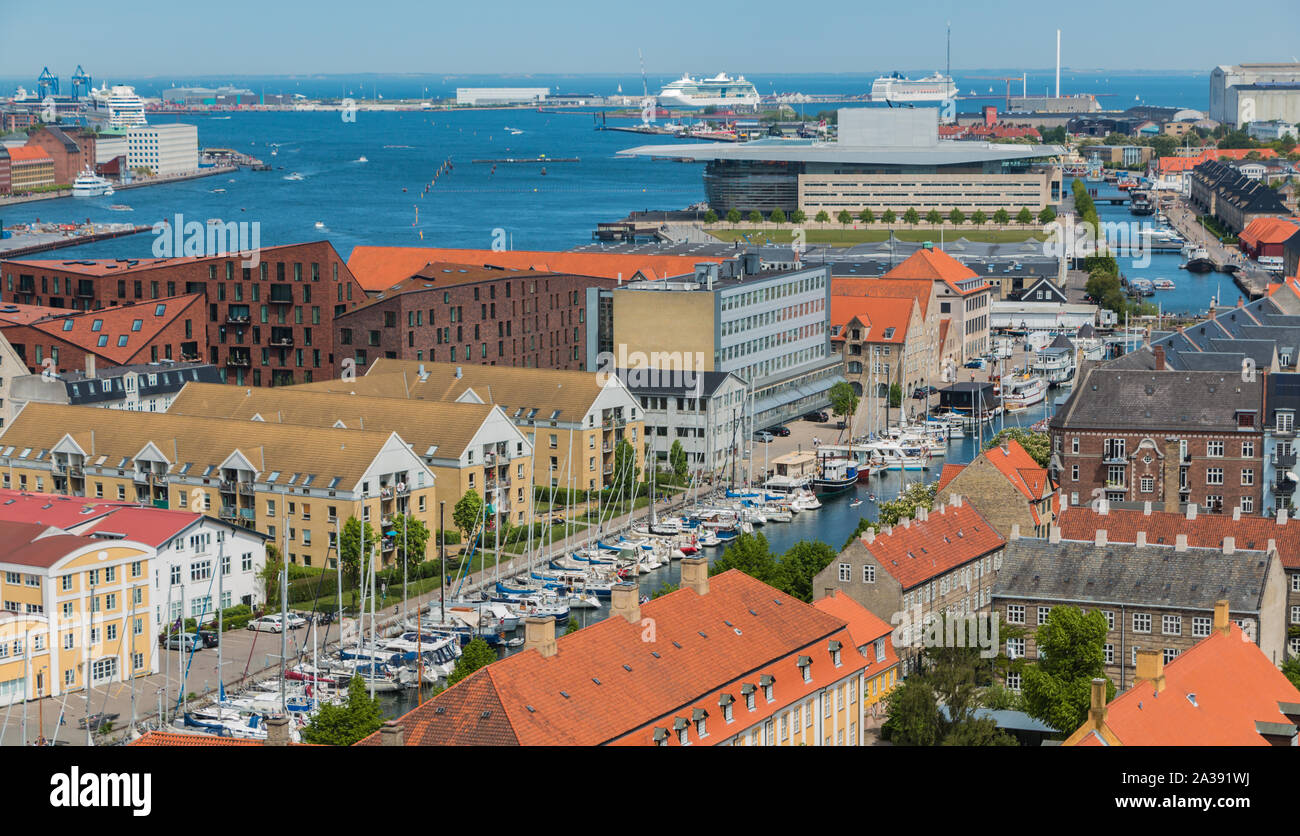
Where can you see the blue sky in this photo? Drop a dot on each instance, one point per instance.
(251, 37)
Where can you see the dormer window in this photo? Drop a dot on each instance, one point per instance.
(767, 681)
(661, 736)
(726, 701)
(835, 653)
(805, 667)
(747, 691)
(1285, 421)
(683, 730)
(700, 718)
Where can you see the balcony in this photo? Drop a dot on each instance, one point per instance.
(1114, 457)
(244, 488)
(1284, 460)
(281, 342)
(241, 361)
(388, 544)
(140, 477)
(231, 319)
(1116, 485)
(76, 470)
(226, 486)
(228, 512)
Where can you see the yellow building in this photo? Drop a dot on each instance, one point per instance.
(296, 484)
(574, 420)
(467, 446)
(75, 607)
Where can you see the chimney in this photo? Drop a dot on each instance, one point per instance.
(539, 635)
(1281, 516)
(1172, 467)
(695, 574)
(391, 734)
(1159, 352)
(1100, 537)
(1103, 506)
(922, 514)
(1015, 532)
(277, 730)
(1006, 447)
(905, 522)
(1151, 668)
(1221, 621)
(1236, 514)
(1180, 543)
(1191, 511)
(955, 500)
(1146, 508)
(1053, 533)
(1141, 539)
(625, 601)
(1272, 545)
(1097, 707)
(90, 366)
(870, 536)
(1229, 545)
(458, 372)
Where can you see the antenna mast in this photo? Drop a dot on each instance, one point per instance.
(645, 88)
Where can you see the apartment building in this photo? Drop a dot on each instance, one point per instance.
(573, 420)
(883, 342)
(163, 150)
(705, 415)
(268, 324)
(734, 663)
(942, 563)
(1166, 437)
(1007, 486)
(30, 167)
(145, 387)
(1154, 596)
(296, 484)
(467, 446)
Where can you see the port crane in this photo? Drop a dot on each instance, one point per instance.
(81, 83)
(47, 84)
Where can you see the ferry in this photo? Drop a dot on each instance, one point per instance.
(1198, 261)
(1163, 284)
(1023, 392)
(896, 88)
(90, 184)
(719, 91)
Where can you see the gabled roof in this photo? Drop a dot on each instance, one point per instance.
(1216, 693)
(952, 534)
(28, 153)
(885, 320)
(123, 330)
(950, 471)
(161, 738)
(864, 625)
(1158, 401)
(1250, 532)
(919, 289)
(1020, 469)
(36, 545)
(936, 265)
(1268, 230)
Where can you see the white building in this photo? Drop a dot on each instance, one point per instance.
(1041, 316)
(143, 387)
(707, 415)
(1271, 131)
(163, 149)
(500, 95)
(1243, 93)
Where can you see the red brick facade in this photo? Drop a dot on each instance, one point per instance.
(453, 313)
(272, 324)
(69, 159)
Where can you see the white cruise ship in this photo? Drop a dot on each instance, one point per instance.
(90, 184)
(896, 88)
(719, 91)
(120, 104)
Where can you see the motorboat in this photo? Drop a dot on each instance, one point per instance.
(835, 475)
(90, 184)
(1023, 392)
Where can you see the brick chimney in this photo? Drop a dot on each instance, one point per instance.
(539, 635)
(695, 574)
(1097, 704)
(1053, 533)
(1172, 467)
(1180, 543)
(1099, 538)
(625, 601)
(391, 734)
(1221, 620)
(277, 730)
(1191, 511)
(1151, 668)
(1141, 539)
(1229, 545)
(1159, 352)
(1015, 532)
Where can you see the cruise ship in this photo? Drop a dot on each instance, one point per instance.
(719, 91)
(120, 104)
(896, 88)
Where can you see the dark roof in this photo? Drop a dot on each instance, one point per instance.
(1151, 400)
(171, 377)
(1283, 393)
(1220, 343)
(1125, 573)
(639, 382)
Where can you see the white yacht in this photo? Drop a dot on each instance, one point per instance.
(896, 88)
(90, 184)
(1023, 392)
(719, 91)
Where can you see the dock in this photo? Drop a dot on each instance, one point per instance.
(531, 160)
(26, 243)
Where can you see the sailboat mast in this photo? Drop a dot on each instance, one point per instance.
(284, 607)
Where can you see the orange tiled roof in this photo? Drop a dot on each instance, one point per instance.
(949, 473)
(934, 264)
(116, 323)
(1020, 468)
(864, 625)
(160, 738)
(1214, 694)
(877, 314)
(27, 313)
(951, 535)
(27, 153)
(1270, 230)
(1251, 532)
(1169, 165)
(378, 268)
(919, 289)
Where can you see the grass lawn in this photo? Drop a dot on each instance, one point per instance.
(848, 237)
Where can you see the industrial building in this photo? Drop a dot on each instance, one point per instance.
(477, 96)
(163, 149)
(1243, 93)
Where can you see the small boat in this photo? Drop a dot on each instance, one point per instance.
(90, 184)
(1198, 261)
(1023, 392)
(855, 503)
(218, 191)
(320, 224)
(1163, 284)
(871, 496)
(293, 176)
(836, 475)
(215, 222)
(362, 159)
(121, 207)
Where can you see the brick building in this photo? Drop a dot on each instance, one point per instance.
(270, 324)
(72, 152)
(456, 313)
(29, 168)
(1161, 436)
(1007, 486)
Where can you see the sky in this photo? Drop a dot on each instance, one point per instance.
(134, 38)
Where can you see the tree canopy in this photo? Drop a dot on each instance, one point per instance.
(1038, 445)
(889, 513)
(1058, 686)
(477, 654)
(843, 400)
(343, 725)
(792, 572)
(468, 510)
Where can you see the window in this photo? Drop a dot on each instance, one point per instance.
(1171, 625)
(1170, 654)
(869, 573)
(1295, 615)
(1247, 476)
(1015, 648)
(1285, 421)
(1141, 622)
(1043, 613)
(1109, 650)
(1214, 449)
(846, 572)
(1148, 484)
(1247, 449)
(1214, 476)
(1013, 681)
(1015, 613)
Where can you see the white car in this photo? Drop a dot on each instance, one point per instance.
(296, 621)
(267, 624)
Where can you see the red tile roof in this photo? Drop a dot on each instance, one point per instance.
(931, 263)
(29, 544)
(27, 153)
(952, 534)
(160, 738)
(50, 509)
(864, 625)
(151, 526)
(27, 313)
(608, 683)
(1268, 230)
(378, 268)
(950, 471)
(118, 322)
(1215, 692)
(919, 289)
(1020, 469)
(876, 314)
(1206, 531)
(117, 266)
(1169, 165)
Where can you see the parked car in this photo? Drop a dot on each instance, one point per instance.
(977, 363)
(817, 417)
(764, 436)
(183, 641)
(782, 431)
(267, 624)
(296, 621)
(923, 391)
(209, 637)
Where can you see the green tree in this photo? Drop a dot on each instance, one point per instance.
(466, 514)
(889, 218)
(1291, 670)
(867, 216)
(933, 217)
(343, 725)
(1002, 217)
(411, 531)
(1058, 687)
(798, 216)
(755, 217)
(733, 216)
(664, 589)
(843, 400)
(350, 545)
(956, 217)
(1024, 217)
(895, 395)
(750, 554)
(979, 218)
(269, 576)
(573, 627)
(913, 714)
(905, 504)
(626, 472)
(477, 654)
(1047, 215)
(677, 458)
(799, 565)
(845, 217)
(777, 216)
(822, 217)
(1038, 445)
(911, 217)
(710, 217)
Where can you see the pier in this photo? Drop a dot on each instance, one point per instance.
(530, 160)
(21, 244)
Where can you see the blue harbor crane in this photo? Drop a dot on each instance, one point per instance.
(81, 83)
(47, 84)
